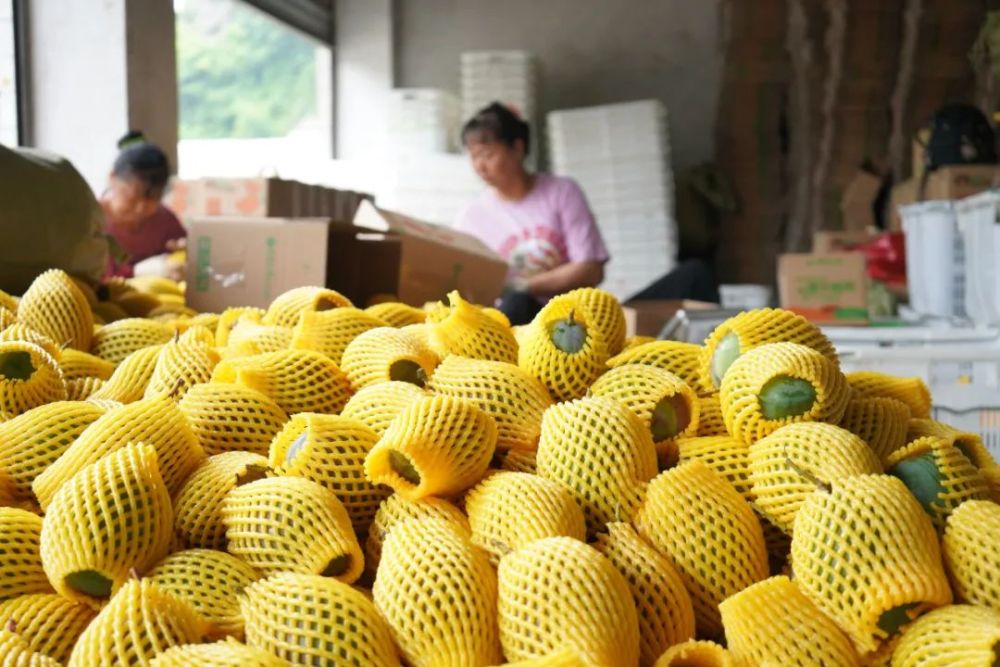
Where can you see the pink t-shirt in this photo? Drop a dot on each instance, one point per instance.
(149, 239)
(551, 226)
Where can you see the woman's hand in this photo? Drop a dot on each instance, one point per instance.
(565, 278)
(174, 245)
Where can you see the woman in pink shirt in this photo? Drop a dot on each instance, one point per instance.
(134, 216)
(540, 223)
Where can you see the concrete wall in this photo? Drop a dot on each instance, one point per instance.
(590, 52)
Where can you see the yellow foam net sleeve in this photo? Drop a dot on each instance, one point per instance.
(710, 419)
(567, 657)
(111, 518)
(247, 339)
(879, 421)
(681, 359)
(211, 582)
(49, 623)
(55, 306)
(567, 375)
(34, 440)
(643, 388)
(113, 342)
(954, 635)
(891, 574)
(396, 509)
(232, 418)
(439, 446)
(198, 505)
(384, 354)
(970, 444)
(297, 380)
(601, 452)
(179, 367)
(992, 477)
(507, 510)
(514, 399)
(17, 653)
(7, 317)
(636, 341)
(709, 532)
(467, 331)
(29, 377)
(22, 333)
(607, 315)
(693, 653)
(912, 391)
(754, 328)
(378, 404)
(228, 653)
(945, 478)
(131, 377)
(285, 309)
(789, 465)
(292, 524)
(663, 605)
(331, 450)
(397, 314)
(497, 315)
(559, 592)
(518, 460)
(198, 334)
(81, 389)
(231, 317)
(331, 331)
(76, 364)
(156, 422)
(726, 456)
(312, 620)
(438, 593)
(751, 374)
(21, 571)
(773, 623)
(971, 546)
(140, 621)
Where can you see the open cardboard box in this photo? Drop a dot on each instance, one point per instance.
(250, 261)
(825, 287)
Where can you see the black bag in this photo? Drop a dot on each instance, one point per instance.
(960, 134)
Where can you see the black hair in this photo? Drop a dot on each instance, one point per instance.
(141, 160)
(497, 122)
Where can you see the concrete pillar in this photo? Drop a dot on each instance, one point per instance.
(99, 68)
(364, 44)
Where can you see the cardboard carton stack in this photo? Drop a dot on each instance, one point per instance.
(423, 120)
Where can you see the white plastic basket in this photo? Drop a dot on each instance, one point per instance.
(977, 222)
(935, 259)
(745, 296)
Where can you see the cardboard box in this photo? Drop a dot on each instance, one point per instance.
(259, 198)
(647, 318)
(857, 206)
(829, 241)
(249, 261)
(829, 287)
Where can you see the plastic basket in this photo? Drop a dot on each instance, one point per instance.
(977, 223)
(935, 259)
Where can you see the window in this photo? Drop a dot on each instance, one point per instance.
(8, 75)
(255, 95)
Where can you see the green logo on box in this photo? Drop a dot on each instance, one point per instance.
(203, 264)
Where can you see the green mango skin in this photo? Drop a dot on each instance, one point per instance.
(670, 417)
(922, 477)
(403, 466)
(338, 565)
(90, 583)
(726, 352)
(785, 396)
(892, 621)
(568, 335)
(296, 447)
(16, 365)
(405, 370)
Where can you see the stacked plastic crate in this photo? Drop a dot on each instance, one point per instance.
(509, 77)
(620, 156)
(423, 120)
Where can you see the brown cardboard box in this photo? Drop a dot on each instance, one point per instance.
(647, 318)
(249, 261)
(829, 241)
(857, 203)
(830, 287)
(259, 198)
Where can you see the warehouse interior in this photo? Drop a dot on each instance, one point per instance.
(575, 333)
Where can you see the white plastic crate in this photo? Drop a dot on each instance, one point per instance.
(977, 223)
(935, 259)
(423, 120)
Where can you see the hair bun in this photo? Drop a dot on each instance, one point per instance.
(131, 138)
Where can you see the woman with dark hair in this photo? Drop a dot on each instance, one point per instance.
(540, 223)
(134, 216)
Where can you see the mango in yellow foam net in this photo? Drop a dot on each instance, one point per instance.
(465, 330)
(233, 317)
(286, 308)
(232, 418)
(696, 653)
(970, 444)
(727, 456)
(518, 460)
(200, 334)
(228, 653)
(114, 342)
(21, 571)
(131, 377)
(607, 315)
(180, 366)
(971, 546)
(29, 377)
(56, 307)
(397, 314)
(384, 354)
(377, 405)
(879, 421)
(330, 332)
(893, 572)
(18, 652)
(76, 364)
(911, 391)
(81, 389)
(566, 657)
(396, 509)
(953, 635)
(710, 419)
(248, 338)
(681, 359)
(50, 624)
(22, 333)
